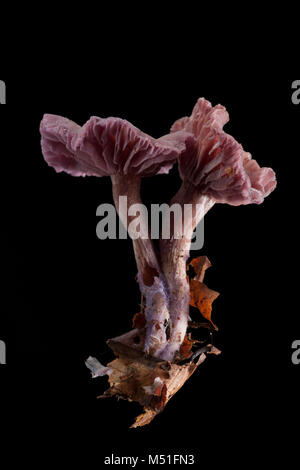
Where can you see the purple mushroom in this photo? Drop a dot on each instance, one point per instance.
(214, 168)
(114, 147)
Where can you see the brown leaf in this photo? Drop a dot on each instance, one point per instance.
(144, 418)
(200, 265)
(132, 374)
(186, 347)
(160, 397)
(139, 321)
(202, 298)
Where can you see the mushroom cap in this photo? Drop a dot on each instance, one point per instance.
(217, 165)
(104, 147)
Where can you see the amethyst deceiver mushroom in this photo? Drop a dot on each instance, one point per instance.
(114, 147)
(214, 168)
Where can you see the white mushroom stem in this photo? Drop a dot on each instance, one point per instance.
(174, 254)
(151, 279)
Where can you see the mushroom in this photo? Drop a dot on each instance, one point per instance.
(114, 147)
(214, 168)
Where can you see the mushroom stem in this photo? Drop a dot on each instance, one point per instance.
(174, 255)
(151, 279)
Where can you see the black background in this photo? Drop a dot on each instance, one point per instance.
(66, 292)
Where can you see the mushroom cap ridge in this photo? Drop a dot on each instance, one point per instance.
(218, 166)
(105, 147)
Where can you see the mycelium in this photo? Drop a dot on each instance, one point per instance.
(157, 356)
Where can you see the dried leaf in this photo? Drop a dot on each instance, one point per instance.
(139, 320)
(186, 347)
(155, 388)
(146, 380)
(202, 298)
(159, 400)
(200, 265)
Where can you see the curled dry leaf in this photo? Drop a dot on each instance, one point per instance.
(202, 298)
(186, 347)
(146, 380)
(200, 265)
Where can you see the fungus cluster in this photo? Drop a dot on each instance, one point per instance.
(213, 168)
